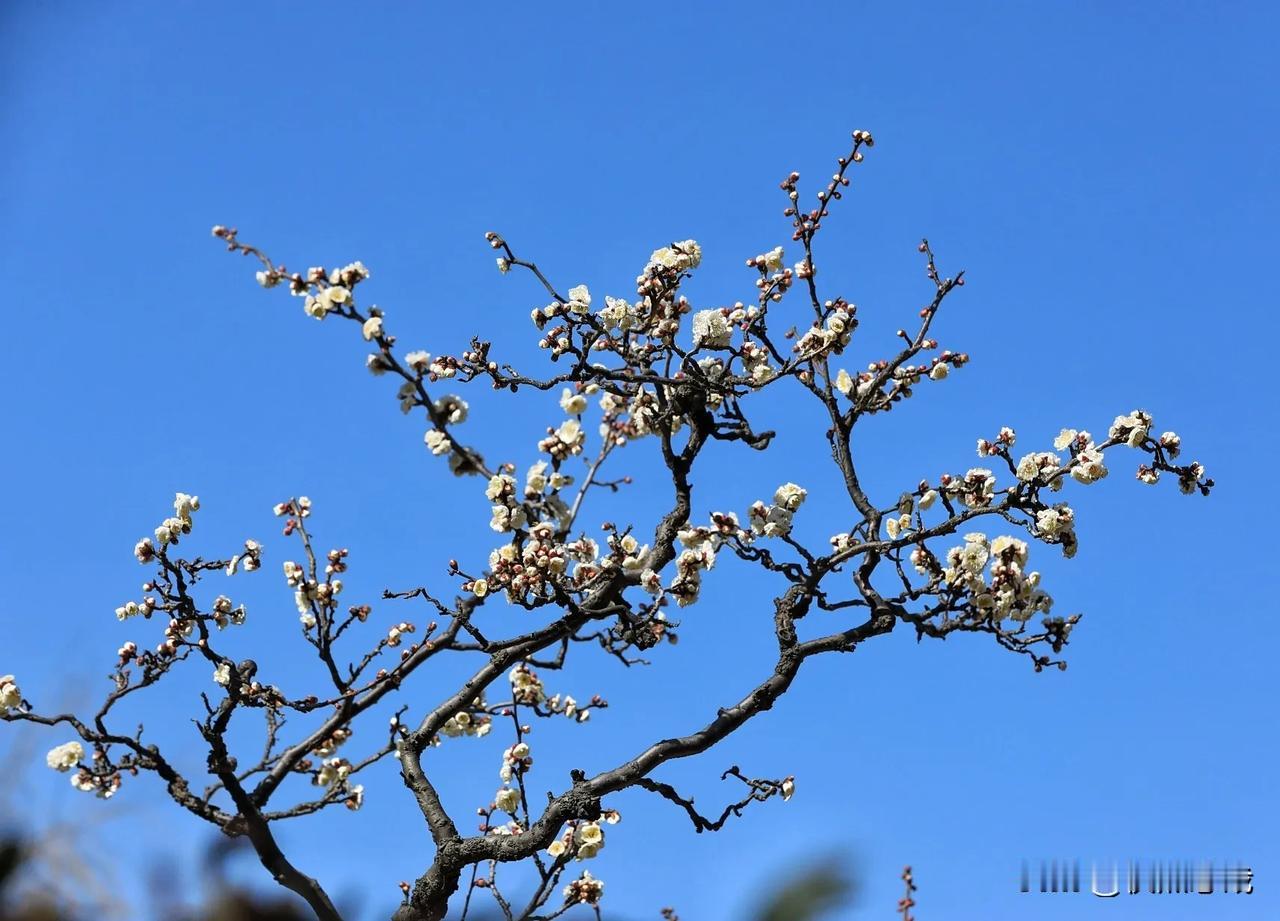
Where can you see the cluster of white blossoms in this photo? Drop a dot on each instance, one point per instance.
(700, 544)
(451, 408)
(1056, 525)
(1189, 480)
(396, 633)
(505, 831)
(565, 441)
(867, 388)
(626, 553)
(537, 565)
(309, 593)
(618, 315)
(467, 723)
(1087, 461)
(755, 361)
(10, 694)
(583, 840)
(538, 480)
(66, 756)
(588, 840)
(134, 608)
(1006, 590)
(1039, 468)
(294, 574)
(334, 774)
(895, 525)
(507, 799)
(656, 313)
(377, 364)
(832, 336)
(578, 304)
(419, 362)
(222, 674)
(299, 507)
(250, 560)
(437, 442)
(975, 489)
(225, 614)
(332, 771)
(568, 706)
(775, 520)
(1000, 446)
(586, 889)
(678, 257)
(515, 760)
(771, 261)
(574, 402)
(642, 411)
(1133, 429)
(714, 328)
(144, 550)
(355, 798)
(690, 564)
(508, 513)
(323, 292)
(526, 686)
(371, 328)
(171, 528)
(102, 787)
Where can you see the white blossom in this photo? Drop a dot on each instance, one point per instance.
(790, 496)
(711, 328)
(1065, 438)
(10, 695)
(844, 383)
(573, 403)
(1132, 429)
(506, 518)
(1038, 466)
(507, 799)
(452, 408)
(437, 441)
(1089, 466)
(66, 756)
(579, 299)
(144, 550)
(586, 889)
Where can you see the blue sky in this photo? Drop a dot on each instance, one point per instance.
(1106, 174)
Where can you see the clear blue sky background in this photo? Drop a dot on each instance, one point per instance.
(1105, 172)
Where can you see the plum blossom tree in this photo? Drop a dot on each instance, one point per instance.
(645, 373)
